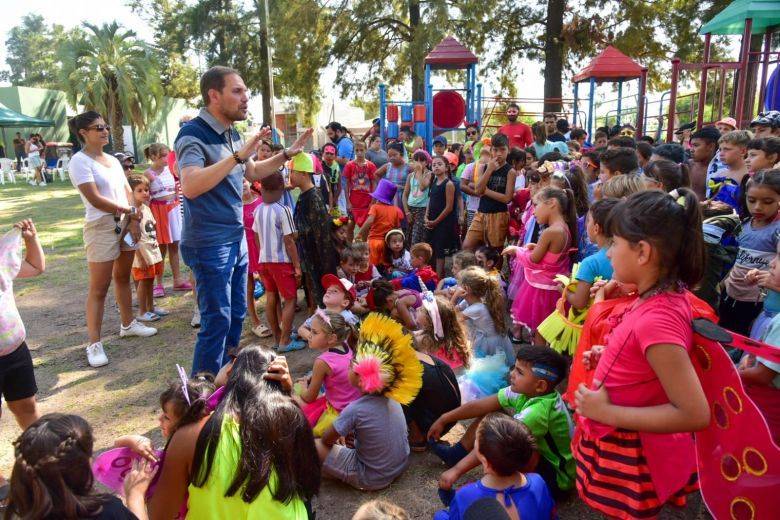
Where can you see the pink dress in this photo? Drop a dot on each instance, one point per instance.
(516, 278)
(251, 244)
(339, 392)
(538, 292)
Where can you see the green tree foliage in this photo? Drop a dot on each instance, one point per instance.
(31, 49)
(111, 71)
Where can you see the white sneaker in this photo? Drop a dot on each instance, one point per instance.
(33, 183)
(160, 312)
(195, 322)
(96, 356)
(137, 329)
(42, 183)
(148, 316)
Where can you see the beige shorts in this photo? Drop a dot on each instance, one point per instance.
(102, 242)
(489, 228)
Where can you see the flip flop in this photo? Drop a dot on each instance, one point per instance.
(261, 331)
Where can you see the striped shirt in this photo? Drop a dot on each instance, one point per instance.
(273, 222)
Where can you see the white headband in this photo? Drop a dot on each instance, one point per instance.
(429, 302)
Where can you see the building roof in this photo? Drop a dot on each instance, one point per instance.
(450, 54)
(610, 65)
(764, 13)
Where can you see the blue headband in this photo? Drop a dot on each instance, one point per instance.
(545, 372)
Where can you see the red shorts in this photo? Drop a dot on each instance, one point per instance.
(145, 273)
(279, 278)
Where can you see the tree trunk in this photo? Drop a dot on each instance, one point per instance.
(115, 118)
(553, 55)
(417, 53)
(265, 82)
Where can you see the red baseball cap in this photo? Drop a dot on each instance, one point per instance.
(330, 280)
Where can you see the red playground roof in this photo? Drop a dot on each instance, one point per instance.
(450, 54)
(611, 64)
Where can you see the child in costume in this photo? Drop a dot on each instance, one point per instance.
(328, 333)
(148, 261)
(315, 249)
(447, 287)
(398, 261)
(504, 448)
(386, 371)
(422, 273)
(400, 305)
(531, 399)
(339, 298)
(278, 263)
(339, 233)
(637, 415)
(741, 302)
(561, 331)
(382, 217)
(433, 317)
(536, 297)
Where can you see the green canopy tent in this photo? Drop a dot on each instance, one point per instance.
(12, 119)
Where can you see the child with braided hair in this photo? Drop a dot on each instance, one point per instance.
(52, 475)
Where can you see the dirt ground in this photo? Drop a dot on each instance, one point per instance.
(122, 397)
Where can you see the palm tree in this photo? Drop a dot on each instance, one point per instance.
(108, 69)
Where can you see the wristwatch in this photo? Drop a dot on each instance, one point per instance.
(238, 159)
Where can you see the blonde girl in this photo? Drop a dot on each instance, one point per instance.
(483, 308)
(329, 335)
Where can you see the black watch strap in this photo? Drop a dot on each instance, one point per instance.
(238, 159)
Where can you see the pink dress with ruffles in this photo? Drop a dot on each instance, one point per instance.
(538, 292)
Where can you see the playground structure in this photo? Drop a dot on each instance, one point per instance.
(446, 109)
(442, 110)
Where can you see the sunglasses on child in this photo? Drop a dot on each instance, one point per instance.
(471, 132)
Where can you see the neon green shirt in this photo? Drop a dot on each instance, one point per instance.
(549, 421)
(209, 501)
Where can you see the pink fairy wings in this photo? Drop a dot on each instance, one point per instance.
(738, 464)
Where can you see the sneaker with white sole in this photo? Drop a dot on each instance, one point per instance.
(195, 322)
(137, 329)
(96, 356)
(160, 312)
(148, 316)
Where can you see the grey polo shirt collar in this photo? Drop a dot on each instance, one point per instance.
(212, 122)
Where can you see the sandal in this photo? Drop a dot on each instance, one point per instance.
(261, 331)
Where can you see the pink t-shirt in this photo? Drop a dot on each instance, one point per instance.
(631, 381)
(339, 392)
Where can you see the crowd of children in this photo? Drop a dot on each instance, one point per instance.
(447, 293)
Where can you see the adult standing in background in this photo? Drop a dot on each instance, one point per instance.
(19, 150)
(111, 230)
(345, 152)
(518, 133)
(213, 161)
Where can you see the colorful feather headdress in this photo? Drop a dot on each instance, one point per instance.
(386, 361)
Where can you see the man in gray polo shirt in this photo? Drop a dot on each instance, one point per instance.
(213, 161)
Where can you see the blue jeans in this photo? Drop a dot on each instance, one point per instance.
(220, 278)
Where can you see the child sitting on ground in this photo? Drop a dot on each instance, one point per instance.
(52, 475)
(421, 255)
(400, 305)
(278, 263)
(386, 371)
(433, 317)
(532, 399)
(329, 334)
(148, 262)
(398, 261)
(383, 216)
(366, 270)
(462, 260)
(505, 448)
(339, 298)
(483, 308)
(339, 233)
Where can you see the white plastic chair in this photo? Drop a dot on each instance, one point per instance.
(7, 170)
(26, 170)
(62, 167)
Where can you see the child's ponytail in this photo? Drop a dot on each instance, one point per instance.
(692, 252)
(495, 303)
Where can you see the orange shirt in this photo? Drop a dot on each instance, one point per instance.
(386, 217)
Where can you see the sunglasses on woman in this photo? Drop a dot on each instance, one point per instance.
(99, 128)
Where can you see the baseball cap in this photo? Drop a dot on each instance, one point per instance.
(709, 133)
(771, 118)
(686, 126)
(440, 139)
(330, 280)
(728, 121)
(451, 158)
